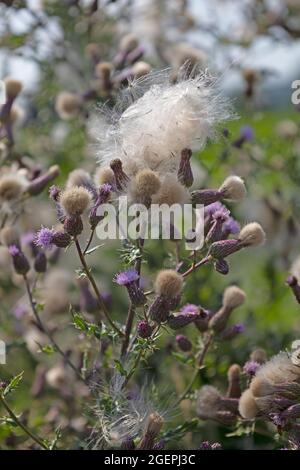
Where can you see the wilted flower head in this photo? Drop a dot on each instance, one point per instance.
(252, 235)
(144, 136)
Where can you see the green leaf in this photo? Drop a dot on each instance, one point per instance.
(120, 368)
(91, 250)
(79, 322)
(13, 384)
(47, 349)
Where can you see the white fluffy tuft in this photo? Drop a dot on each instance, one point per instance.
(155, 120)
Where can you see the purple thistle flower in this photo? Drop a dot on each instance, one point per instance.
(247, 133)
(14, 250)
(129, 279)
(44, 238)
(230, 226)
(126, 277)
(251, 367)
(180, 320)
(212, 208)
(190, 308)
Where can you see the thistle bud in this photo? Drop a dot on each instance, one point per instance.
(153, 427)
(205, 196)
(185, 174)
(234, 386)
(73, 225)
(292, 282)
(37, 185)
(61, 239)
(183, 343)
(20, 261)
(221, 266)
(120, 177)
(75, 200)
(232, 331)
(248, 408)
(233, 297)
(223, 248)
(129, 279)
(182, 319)
(144, 329)
(40, 263)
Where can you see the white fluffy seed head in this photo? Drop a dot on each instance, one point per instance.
(233, 188)
(252, 235)
(248, 408)
(168, 283)
(279, 369)
(67, 105)
(75, 200)
(261, 387)
(233, 297)
(160, 119)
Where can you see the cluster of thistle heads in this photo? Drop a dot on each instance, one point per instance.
(262, 389)
(107, 78)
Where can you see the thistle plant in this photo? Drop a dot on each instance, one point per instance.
(145, 152)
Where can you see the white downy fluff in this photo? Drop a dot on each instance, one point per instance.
(155, 120)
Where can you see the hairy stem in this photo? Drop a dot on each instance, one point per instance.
(201, 358)
(47, 332)
(100, 300)
(26, 430)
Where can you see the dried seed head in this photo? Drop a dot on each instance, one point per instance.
(252, 235)
(171, 192)
(233, 297)
(13, 87)
(145, 184)
(208, 402)
(105, 175)
(259, 355)
(78, 177)
(10, 236)
(233, 188)
(128, 43)
(154, 424)
(120, 176)
(140, 68)
(75, 200)
(73, 225)
(11, 187)
(261, 387)
(168, 283)
(67, 105)
(248, 408)
(234, 372)
(103, 70)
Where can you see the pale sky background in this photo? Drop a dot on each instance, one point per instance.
(280, 55)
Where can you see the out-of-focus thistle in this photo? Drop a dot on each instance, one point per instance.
(233, 189)
(233, 297)
(152, 430)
